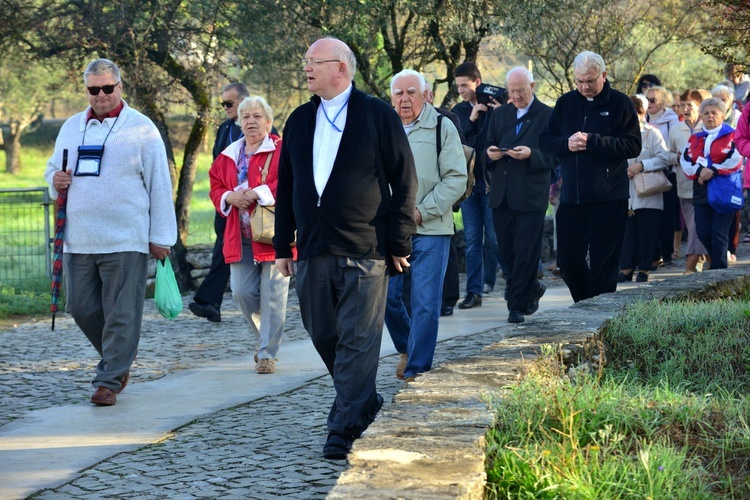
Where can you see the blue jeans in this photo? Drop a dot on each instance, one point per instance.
(478, 230)
(417, 335)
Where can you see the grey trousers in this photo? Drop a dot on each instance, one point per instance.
(342, 303)
(260, 291)
(105, 294)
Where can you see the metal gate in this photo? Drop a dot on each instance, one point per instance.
(25, 240)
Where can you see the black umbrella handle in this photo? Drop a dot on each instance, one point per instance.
(65, 160)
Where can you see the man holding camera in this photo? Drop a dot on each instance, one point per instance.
(474, 113)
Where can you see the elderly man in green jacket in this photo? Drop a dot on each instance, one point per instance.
(441, 171)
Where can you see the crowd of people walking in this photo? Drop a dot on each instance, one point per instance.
(363, 195)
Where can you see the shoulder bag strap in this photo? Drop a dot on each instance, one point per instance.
(264, 173)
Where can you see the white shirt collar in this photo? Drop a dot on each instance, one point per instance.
(522, 111)
(339, 99)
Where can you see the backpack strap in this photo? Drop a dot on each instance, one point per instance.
(439, 141)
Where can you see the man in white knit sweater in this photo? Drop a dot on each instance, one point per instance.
(119, 211)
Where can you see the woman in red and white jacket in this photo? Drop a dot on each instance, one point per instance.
(711, 152)
(237, 187)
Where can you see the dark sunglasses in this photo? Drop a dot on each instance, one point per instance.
(652, 100)
(108, 89)
(227, 104)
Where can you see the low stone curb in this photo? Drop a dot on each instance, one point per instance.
(430, 443)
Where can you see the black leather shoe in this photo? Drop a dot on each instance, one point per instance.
(622, 277)
(208, 311)
(515, 317)
(471, 300)
(534, 306)
(338, 445)
(642, 277)
(446, 311)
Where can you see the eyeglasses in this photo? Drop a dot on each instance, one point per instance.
(227, 104)
(587, 82)
(108, 89)
(652, 100)
(310, 62)
(647, 85)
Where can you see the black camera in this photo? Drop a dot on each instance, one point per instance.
(485, 94)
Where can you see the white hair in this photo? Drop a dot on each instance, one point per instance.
(101, 67)
(587, 60)
(723, 90)
(525, 72)
(410, 72)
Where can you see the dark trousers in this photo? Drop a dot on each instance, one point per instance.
(211, 291)
(665, 238)
(712, 229)
(596, 230)
(451, 292)
(639, 243)
(519, 236)
(342, 304)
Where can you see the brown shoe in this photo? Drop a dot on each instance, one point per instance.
(104, 397)
(401, 366)
(123, 382)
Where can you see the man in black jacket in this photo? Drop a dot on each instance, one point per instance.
(592, 131)
(519, 195)
(210, 294)
(347, 185)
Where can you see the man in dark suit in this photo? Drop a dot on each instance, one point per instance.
(207, 300)
(520, 178)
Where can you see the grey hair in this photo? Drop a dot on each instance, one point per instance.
(101, 67)
(410, 72)
(715, 102)
(526, 72)
(723, 90)
(255, 101)
(587, 60)
(241, 89)
(343, 53)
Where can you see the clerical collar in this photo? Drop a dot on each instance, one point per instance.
(340, 102)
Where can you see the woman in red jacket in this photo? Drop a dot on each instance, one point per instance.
(242, 177)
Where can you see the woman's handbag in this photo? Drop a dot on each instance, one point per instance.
(648, 183)
(167, 298)
(725, 192)
(262, 219)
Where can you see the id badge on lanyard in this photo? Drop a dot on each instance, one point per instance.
(89, 160)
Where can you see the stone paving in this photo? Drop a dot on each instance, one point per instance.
(267, 448)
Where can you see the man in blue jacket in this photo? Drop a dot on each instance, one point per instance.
(593, 130)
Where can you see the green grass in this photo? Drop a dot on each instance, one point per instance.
(668, 418)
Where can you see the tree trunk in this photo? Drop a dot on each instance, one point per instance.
(13, 149)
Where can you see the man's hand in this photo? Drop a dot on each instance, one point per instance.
(519, 152)
(494, 104)
(285, 266)
(577, 141)
(158, 252)
(417, 216)
(61, 180)
(494, 153)
(478, 108)
(401, 263)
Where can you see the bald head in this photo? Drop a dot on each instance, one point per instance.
(330, 66)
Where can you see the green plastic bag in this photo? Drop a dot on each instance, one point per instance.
(167, 298)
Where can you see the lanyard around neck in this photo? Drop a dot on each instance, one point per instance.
(83, 139)
(333, 122)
